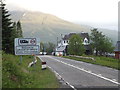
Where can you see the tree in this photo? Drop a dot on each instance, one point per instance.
(100, 43)
(47, 47)
(14, 31)
(106, 46)
(7, 40)
(41, 47)
(10, 31)
(75, 45)
(50, 47)
(19, 29)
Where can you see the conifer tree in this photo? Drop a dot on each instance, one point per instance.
(14, 32)
(19, 29)
(7, 40)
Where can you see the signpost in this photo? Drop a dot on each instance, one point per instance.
(26, 46)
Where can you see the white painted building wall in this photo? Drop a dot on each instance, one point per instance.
(65, 43)
(85, 41)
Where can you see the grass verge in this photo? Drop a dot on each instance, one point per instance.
(99, 60)
(15, 75)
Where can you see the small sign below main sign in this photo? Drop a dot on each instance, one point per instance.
(26, 46)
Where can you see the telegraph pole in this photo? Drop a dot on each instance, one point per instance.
(57, 41)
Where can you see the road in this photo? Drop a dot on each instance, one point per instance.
(80, 74)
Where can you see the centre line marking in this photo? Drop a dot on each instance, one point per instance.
(98, 75)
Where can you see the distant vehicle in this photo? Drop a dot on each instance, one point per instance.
(111, 54)
(53, 53)
(43, 53)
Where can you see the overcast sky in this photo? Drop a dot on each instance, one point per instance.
(96, 13)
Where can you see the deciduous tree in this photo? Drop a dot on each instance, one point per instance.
(75, 45)
(100, 43)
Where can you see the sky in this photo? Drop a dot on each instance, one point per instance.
(95, 13)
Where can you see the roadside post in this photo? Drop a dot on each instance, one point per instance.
(21, 59)
(43, 65)
(34, 60)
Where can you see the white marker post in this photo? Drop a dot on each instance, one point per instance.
(43, 65)
(34, 60)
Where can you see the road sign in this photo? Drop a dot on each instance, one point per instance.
(27, 41)
(26, 46)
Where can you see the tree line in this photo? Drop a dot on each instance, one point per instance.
(47, 47)
(100, 44)
(10, 30)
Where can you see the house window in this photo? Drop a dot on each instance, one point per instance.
(86, 40)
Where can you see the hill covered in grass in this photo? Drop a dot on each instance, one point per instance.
(48, 27)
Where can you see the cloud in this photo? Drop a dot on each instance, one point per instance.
(95, 11)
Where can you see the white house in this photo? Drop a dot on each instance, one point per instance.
(61, 49)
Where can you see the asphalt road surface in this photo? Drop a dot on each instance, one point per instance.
(80, 74)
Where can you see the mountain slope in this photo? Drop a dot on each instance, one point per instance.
(48, 27)
(45, 26)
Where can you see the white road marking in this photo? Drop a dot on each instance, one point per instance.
(90, 71)
(114, 79)
(60, 76)
(98, 75)
(40, 58)
(72, 60)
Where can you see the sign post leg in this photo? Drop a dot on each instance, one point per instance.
(34, 60)
(20, 59)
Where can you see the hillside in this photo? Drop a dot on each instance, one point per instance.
(48, 27)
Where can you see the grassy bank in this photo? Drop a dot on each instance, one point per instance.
(15, 75)
(99, 60)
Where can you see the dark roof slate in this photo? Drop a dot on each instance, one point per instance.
(83, 35)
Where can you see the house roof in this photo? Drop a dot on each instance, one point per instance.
(60, 48)
(66, 37)
(117, 48)
(83, 35)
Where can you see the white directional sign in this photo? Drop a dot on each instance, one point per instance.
(26, 46)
